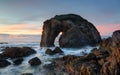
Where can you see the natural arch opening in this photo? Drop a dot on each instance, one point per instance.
(56, 42)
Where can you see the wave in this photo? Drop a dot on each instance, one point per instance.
(26, 68)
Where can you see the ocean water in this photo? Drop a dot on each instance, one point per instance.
(26, 68)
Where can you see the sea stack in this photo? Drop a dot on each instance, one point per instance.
(76, 32)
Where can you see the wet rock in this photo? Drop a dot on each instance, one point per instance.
(49, 52)
(75, 65)
(18, 61)
(57, 50)
(4, 63)
(3, 43)
(94, 49)
(2, 56)
(34, 61)
(16, 52)
(76, 31)
(27, 74)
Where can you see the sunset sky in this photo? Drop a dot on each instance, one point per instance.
(27, 16)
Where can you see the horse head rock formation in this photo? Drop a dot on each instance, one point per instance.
(76, 32)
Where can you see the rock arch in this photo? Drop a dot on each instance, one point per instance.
(76, 31)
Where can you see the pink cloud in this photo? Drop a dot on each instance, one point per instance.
(20, 29)
(108, 29)
(32, 29)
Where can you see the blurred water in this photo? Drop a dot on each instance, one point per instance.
(26, 68)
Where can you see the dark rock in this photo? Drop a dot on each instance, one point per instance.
(106, 44)
(16, 52)
(116, 38)
(18, 61)
(27, 74)
(101, 55)
(2, 56)
(57, 50)
(75, 65)
(94, 49)
(4, 63)
(34, 61)
(112, 64)
(49, 52)
(76, 31)
(102, 61)
(3, 43)
(111, 42)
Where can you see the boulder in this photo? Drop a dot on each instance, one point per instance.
(57, 50)
(4, 63)
(49, 52)
(27, 74)
(2, 56)
(76, 32)
(3, 43)
(34, 61)
(18, 61)
(16, 52)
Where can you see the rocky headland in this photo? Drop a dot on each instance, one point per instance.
(76, 32)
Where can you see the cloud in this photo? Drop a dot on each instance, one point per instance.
(19, 38)
(20, 29)
(108, 29)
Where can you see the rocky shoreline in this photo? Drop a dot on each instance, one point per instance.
(102, 61)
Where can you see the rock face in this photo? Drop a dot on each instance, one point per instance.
(112, 64)
(102, 61)
(76, 31)
(116, 38)
(75, 65)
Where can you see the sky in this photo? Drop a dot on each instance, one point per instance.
(27, 16)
